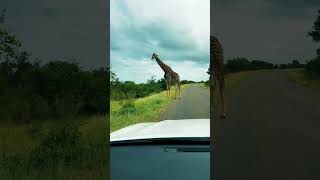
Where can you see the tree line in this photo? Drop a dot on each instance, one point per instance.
(121, 90)
(30, 90)
(244, 64)
(314, 64)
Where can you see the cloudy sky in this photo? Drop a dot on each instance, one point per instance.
(178, 31)
(271, 30)
(61, 29)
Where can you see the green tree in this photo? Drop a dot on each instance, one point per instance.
(315, 32)
(314, 64)
(8, 42)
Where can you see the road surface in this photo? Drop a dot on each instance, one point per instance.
(272, 131)
(194, 104)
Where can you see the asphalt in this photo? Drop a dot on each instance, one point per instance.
(194, 104)
(272, 131)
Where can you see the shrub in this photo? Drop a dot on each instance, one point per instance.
(314, 65)
(39, 107)
(19, 110)
(128, 107)
(60, 145)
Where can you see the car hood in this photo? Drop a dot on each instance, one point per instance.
(184, 128)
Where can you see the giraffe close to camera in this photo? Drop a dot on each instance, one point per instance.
(217, 84)
(169, 76)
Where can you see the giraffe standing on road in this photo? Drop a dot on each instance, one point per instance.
(217, 85)
(169, 76)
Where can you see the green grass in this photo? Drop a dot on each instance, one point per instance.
(54, 149)
(233, 79)
(147, 109)
(305, 78)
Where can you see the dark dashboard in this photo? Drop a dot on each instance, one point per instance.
(160, 160)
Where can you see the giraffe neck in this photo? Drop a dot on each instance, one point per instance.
(163, 66)
(216, 57)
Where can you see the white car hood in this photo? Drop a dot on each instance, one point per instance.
(164, 129)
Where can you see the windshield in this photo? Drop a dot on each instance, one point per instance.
(159, 88)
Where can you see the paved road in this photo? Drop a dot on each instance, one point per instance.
(272, 131)
(194, 104)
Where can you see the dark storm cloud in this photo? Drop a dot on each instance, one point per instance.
(272, 30)
(73, 29)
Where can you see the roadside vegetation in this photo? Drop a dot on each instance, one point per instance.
(310, 75)
(240, 68)
(133, 103)
(123, 90)
(306, 78)
(133, 108)
(67, 149)
(243, 64)
(53, 116)
(232, 79)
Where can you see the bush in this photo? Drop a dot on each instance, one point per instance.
(130, 90)
(128, 107)
(65, 106)
(314, 65)
(243, 64)
(19, 110)
(60, 145)
(56, 89)
(39, 108)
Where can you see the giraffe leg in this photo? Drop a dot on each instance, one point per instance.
(215, 109)
(221, 88)
(179, 91)
(178, 86)
(169, 85)
(176, 91)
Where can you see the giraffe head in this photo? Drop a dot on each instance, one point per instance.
(154, 56)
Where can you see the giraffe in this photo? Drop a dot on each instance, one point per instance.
(169, 75)
(217, 79)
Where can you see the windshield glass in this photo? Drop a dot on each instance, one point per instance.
(159, 90)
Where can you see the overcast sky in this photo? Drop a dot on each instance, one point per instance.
(271, 30)
(178, 31)
(61, 29)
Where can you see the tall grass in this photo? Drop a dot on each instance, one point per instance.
(305, 78)
(232, 79)
(65, 149)
(132, 111)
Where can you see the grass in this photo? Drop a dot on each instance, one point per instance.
(54, 149)
(233, 79)
(147, 109)
(305, 78)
